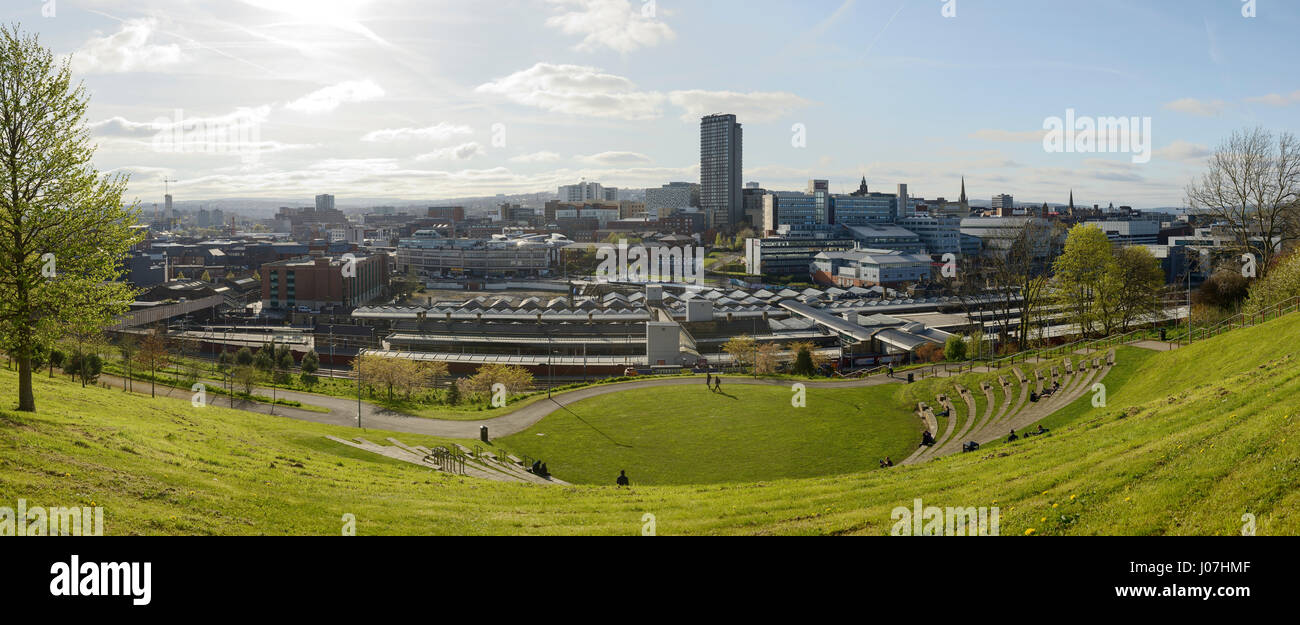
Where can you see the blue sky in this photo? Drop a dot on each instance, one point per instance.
(420, 99)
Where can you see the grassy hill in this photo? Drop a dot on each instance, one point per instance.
(1190, 441)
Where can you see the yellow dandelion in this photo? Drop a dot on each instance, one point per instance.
(1029, 532)
(1042, 520)
(1073, 497)
(1127, 499)
(1055, 505)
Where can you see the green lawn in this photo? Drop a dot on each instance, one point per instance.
(690, 435)
(1190, 442)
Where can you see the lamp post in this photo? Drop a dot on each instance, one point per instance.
(360, 352)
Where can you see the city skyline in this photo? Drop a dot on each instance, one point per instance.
(362, 99)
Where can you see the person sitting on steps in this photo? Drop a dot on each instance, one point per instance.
(1013, 438)
(927, 439)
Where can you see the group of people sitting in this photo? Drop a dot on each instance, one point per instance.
(927, 439)
(886, 463)
(1041, 431)
(969, 447)
(539, 469)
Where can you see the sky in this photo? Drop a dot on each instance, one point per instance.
(429, 99)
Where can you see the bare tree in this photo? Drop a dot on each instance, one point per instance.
(1253, 188)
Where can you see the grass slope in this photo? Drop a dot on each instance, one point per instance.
(1191, 442)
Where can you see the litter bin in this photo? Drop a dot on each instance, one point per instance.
(483, 433)
(909, 378)
(1162, 334)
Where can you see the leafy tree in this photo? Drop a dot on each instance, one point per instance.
(283, 366)
(766, 360)
(515, 379)
(264, 360)
(803, 361)
(244, 357)
(1080, 271)
(310, 365)
(246, 377)
(85, 367)
(1136, 275)
(741, 349)
(63, 226)
(954, 350)
(57, 358)
(1280, 285)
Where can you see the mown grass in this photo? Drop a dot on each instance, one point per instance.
(690, 435)
(1191, 442)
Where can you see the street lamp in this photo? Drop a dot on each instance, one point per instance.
(360, 352)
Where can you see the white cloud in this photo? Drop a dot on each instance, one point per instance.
(577, 90)
(1008, 136)
(1200, 108)
(536, 157)
(1182, 151)
(330, 98)
(440, 132)
(756, 106)
(127, 50)
(613, 24)
(616, 158)
(1275, 99)
(462, 152)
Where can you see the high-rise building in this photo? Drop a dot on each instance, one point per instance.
(324, 202)
(721, 166)
(588, 192)
(662, 202)
(1004, 205)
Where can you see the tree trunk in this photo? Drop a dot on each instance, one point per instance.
(26, 397)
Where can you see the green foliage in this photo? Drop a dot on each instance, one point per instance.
(66, 227)
(1281, 284)
(954, 350)
(803, 363)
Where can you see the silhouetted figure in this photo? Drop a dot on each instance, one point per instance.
(708, 378)
(545, 472)
(969, 447)
(1042, 430)
(622, 478)
(1013, 438)
(537, 467)
(888, 462)
(927, 439)
(717, 384)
